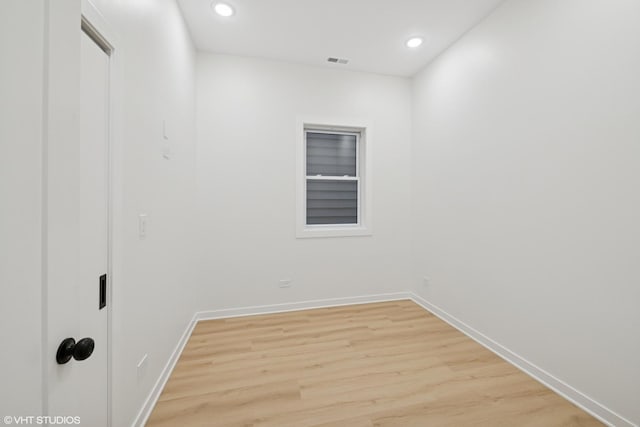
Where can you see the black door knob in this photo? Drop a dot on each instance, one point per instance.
(69, 348)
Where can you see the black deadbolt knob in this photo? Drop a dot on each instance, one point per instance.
(69, 348)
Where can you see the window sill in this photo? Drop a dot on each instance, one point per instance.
(332, 231)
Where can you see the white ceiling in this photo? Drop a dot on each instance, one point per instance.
(370, 33)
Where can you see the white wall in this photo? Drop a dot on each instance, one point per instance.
(247, 111)
(21, 77)
(524, 189)
(525, 181)
(154, 282)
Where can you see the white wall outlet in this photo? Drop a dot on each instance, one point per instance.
(285, 283)
(142, 367)
(142, 226)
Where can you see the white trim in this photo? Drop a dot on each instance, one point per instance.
(93, 16)
(44, 219)
(331, 178)
(151, 400)
(101, 28)
(297, 306)
(365, 176)
(578, 398)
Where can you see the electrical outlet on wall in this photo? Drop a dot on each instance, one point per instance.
(285, 283)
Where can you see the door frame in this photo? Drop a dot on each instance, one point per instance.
(94, 25)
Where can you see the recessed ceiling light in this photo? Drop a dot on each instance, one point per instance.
(414, 42)
(223, 9)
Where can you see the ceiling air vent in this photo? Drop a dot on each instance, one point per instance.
(338, 60)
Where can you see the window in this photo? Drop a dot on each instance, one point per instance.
(332, 178)
(333, 166)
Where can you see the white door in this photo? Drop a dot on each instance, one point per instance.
(79, 387)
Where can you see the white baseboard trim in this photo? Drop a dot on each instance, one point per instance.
(596, 409)
(296, 306)
(154, 395)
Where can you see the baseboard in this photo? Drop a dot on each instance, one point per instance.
(154, 395)
(599, 411)
(296, 306)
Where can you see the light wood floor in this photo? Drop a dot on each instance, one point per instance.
(383, 364)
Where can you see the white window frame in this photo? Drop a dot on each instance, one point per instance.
(363, 129)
